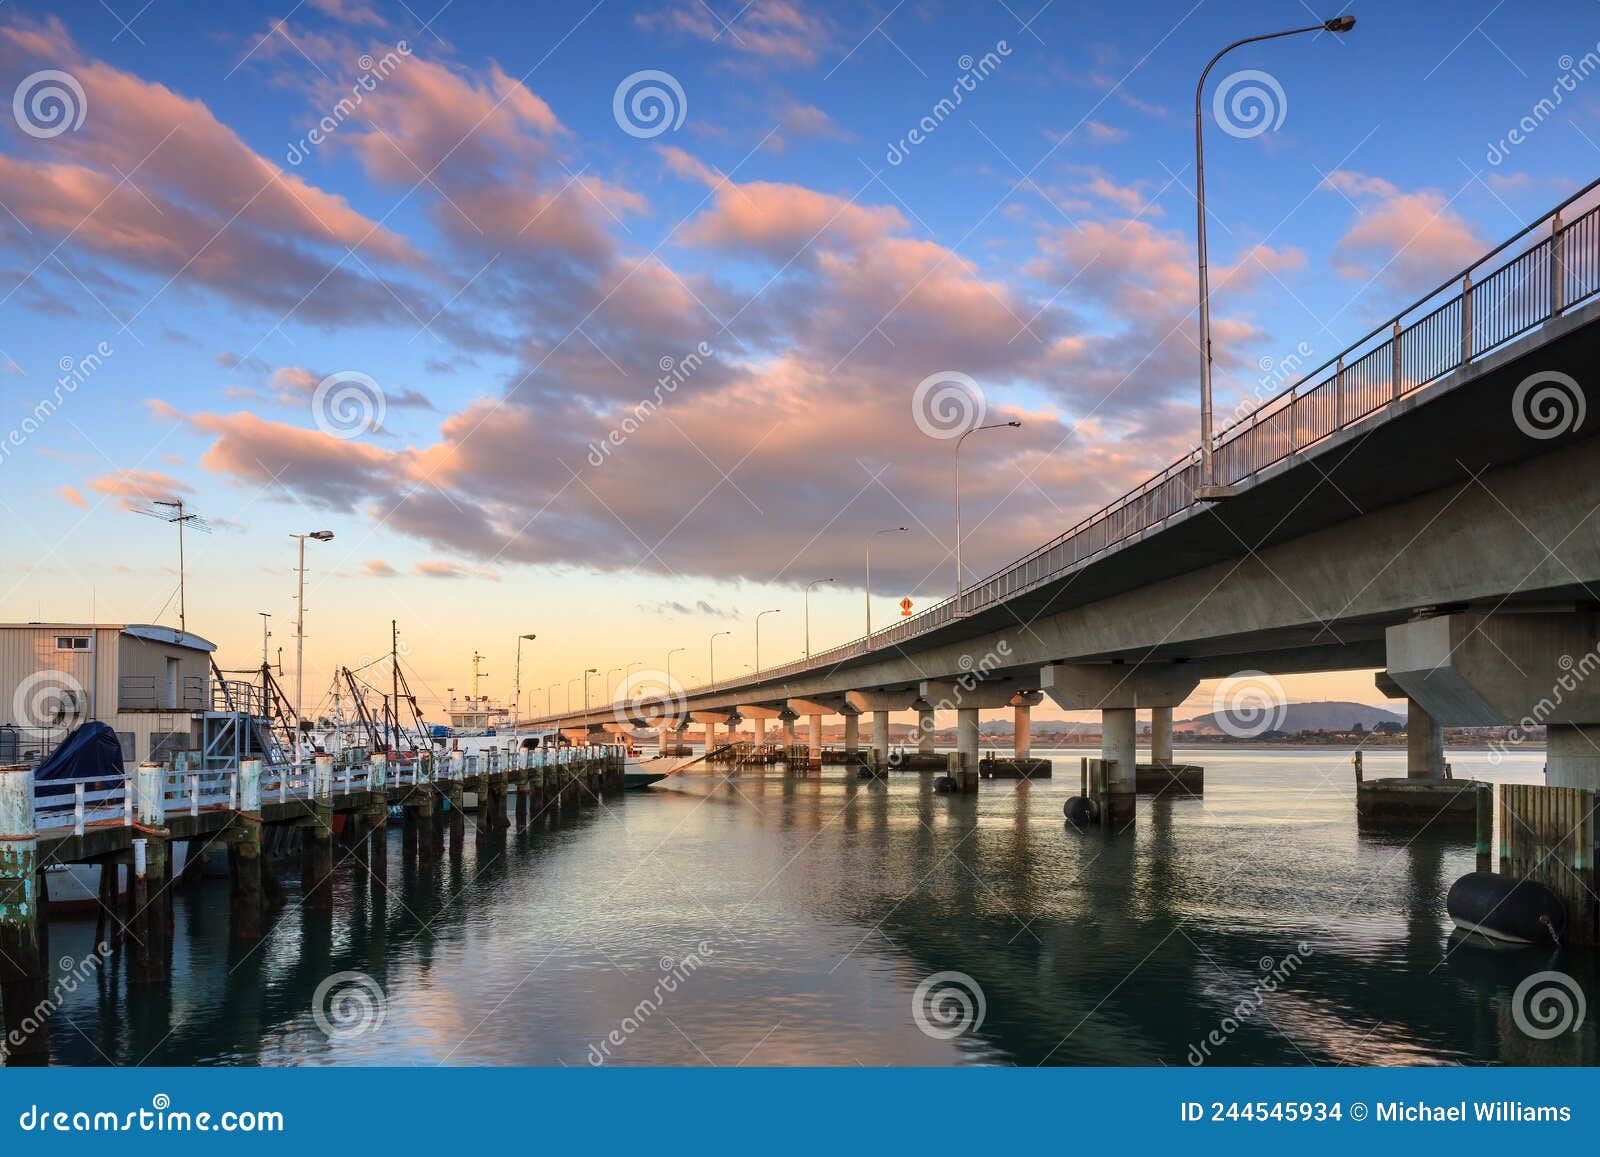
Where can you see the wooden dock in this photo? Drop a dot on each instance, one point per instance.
(127, 827)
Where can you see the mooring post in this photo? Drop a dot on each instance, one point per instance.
(1484, 798)
(22, 965)
(316, 850)
(378, 825)
(246, 901)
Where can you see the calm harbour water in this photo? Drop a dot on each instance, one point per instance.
(795, 918)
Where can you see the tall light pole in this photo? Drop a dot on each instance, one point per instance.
(713, 656)
(609, 683)
(960, 576)
(807, 599)
(870, 537)
(549, 699)
(516, 719)
(671, 653)
(586, 674)
(774, 611)
(1209, 487)
(300, 638)
(570, 682)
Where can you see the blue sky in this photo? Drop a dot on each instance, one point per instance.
(511, 289)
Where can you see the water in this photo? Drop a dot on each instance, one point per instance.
(773, 921)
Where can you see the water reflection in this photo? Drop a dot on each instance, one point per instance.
(1256, 925)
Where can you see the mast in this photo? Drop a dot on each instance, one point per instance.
(394, 675)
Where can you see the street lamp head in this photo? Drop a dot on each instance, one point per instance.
(529, 637)
(1339, 24)
(1015, 425)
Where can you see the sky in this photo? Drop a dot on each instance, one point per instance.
(617, 324)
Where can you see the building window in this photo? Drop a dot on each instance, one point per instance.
(128, 740)
(72, 642)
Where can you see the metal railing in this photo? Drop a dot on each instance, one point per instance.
(80, 803)
(1461, 320)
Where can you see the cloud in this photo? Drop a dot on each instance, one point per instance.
(136, 489)
(1104, 134)
(349, 12)
(773, 32)
(377, 568)
(73, 497)
(1408, 240)
(700, 608)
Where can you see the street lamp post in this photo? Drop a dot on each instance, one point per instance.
(516, 720)
(570, 682)
(807, 599)
(774, 611)
(586, 674)
(1209, 487)
(712, 659)
(549, 699)
(870, 537)
(960, 576)
(671, 653)
(300, 639)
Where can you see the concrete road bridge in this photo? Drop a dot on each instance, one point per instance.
(1424, 503)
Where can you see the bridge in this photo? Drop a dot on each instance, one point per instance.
(1422, 503)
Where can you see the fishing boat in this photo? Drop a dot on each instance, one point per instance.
(640, 772)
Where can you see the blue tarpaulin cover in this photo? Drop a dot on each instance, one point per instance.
(89, 752)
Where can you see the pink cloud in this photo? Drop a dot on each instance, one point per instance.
(138, 488)
(778, 32)
(1409, 240)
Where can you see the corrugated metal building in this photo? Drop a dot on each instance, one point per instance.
(150, 684)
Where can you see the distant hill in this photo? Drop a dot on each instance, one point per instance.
(1327, 716)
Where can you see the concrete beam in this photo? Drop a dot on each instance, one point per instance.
(1097, 686)
(971, 690)
(756, 711)
(881, 700)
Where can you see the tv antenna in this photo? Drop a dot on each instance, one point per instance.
(171, 510)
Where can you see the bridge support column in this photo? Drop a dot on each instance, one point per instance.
(1021, 736)
(852, 733)
(926, 725)
(814, 736)
(1118, 731)
(788, 728)
(1160, 735)
(880, 738)
(1424, 743)
(967, 746)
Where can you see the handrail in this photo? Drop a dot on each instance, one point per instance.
(1168, 486)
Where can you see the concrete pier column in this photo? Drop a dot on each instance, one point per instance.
(788, 728)
(22, 949)
(147, 962)
(1118, 731)
(1160, 735)
(880, 737)
(711, 734)
(1021, 736)
(316, 848)
(852, 733)
(925, 729)
(1572, 755)
(760, 728)
(246, 901)
(814, 736)
(967, 746)
(1424, 743)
